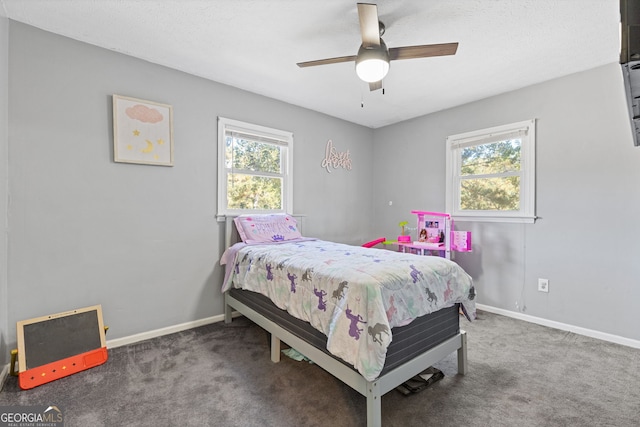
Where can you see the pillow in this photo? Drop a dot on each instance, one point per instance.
(267, 228)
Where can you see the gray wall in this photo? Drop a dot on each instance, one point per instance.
(4, 124)
(141, 240)
(588, 201)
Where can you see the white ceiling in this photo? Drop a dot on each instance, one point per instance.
(255, 45)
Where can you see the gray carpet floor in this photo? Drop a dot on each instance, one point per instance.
(519, 374)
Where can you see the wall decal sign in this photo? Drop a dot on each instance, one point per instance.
(335, 159)
(142, 131)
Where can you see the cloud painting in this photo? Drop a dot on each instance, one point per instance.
(142, 131)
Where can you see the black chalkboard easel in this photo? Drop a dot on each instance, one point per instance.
(55, 346)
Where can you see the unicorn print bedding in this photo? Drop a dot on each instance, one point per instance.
(354, 295)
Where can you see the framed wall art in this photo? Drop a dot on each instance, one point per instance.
(142, 131)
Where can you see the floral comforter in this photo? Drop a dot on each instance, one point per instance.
(354, 295)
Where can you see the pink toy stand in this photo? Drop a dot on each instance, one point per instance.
(435, 236)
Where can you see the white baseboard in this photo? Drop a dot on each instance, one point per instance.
(119, 342)
(562, 326)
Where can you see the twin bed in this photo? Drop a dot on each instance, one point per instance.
(372, 318)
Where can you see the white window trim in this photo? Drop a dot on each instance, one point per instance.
(527, 179)
(225, 124)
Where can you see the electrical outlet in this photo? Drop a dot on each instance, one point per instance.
(543, 285)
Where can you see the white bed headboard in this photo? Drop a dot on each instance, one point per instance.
(231, 235)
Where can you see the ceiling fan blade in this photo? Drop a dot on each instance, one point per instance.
(375, 85)
(369, 27)
(327, 61)
(423, 51)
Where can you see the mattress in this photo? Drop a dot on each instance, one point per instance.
(410, 340)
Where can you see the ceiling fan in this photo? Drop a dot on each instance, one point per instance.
(372, 60)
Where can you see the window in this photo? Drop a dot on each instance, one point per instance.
(491, 174)
(254, 168)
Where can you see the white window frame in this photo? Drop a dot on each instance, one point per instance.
(285, 140)
(455, 143)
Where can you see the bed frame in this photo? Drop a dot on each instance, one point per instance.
(372, 390)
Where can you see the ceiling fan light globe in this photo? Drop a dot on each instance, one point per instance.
(372, 70)
(372, 63)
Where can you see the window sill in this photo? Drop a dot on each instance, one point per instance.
(489, 218)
